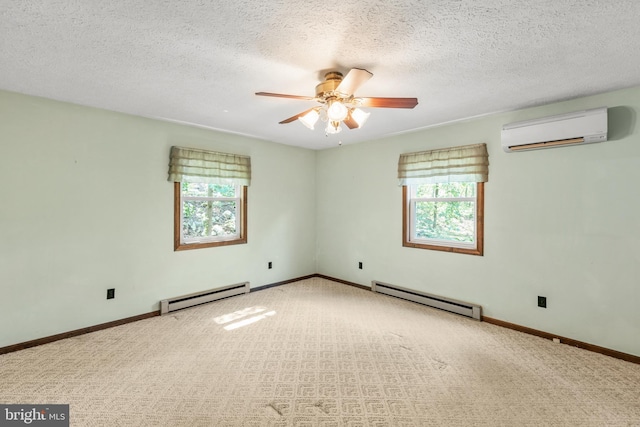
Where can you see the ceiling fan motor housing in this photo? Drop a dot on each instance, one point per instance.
(331, 83)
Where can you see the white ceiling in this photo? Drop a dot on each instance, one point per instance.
(200, 62)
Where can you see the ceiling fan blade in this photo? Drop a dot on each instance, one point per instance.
(350, 122)
(355, 78)
(389, 102)
(293, 118)
(280, 95)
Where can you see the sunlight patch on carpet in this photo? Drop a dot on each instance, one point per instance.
(239, 314)
(249, 321)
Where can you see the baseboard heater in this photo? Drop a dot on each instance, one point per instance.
(197, 298)
(459, 307)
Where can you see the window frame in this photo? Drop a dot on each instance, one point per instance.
(178, 241)
(407, 226)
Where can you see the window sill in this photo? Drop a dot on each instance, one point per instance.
(466, 251)
(188, 246)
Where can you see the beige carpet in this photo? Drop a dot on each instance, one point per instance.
(320, 353)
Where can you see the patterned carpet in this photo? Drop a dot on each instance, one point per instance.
(320, 353)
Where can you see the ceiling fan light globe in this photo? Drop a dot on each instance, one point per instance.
(359, 116)
(333, 127)
(310, 119)
(337, 111)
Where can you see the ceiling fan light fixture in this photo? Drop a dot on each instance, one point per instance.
(339, 104)
(310, 119)
(359, 116)
(337, 111)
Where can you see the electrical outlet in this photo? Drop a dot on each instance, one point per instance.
(360, 265)
(542, 302)
(270, 265)
(111, 293)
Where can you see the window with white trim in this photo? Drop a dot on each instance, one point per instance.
(444, 216)
(210, 212)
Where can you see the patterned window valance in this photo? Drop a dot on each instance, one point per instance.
(468, 163)
(191, 165)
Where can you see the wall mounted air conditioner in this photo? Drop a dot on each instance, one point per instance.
(580, 127)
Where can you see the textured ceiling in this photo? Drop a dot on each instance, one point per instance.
(200, 62)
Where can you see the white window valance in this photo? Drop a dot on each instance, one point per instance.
(191, 165)
(468, 163)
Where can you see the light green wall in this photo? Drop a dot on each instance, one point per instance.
(86, 206)
(562, 223)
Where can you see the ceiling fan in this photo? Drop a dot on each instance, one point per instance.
(339, 103)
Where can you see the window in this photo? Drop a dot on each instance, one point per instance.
(210, 198)
(444, 216)
(209, 215)
(443, 198)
